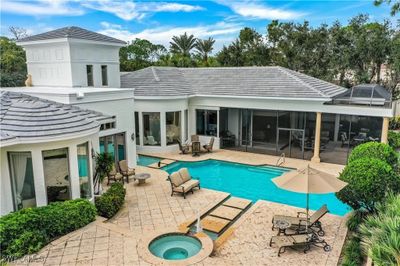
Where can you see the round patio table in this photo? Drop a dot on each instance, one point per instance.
(142, 177)
(282, 225)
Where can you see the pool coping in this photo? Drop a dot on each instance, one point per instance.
(207, 246)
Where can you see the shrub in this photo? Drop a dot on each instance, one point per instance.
(375, 150)
(352, 253)
(111, 201)
(380, 233)
(394, 139)
(369, 180)
(355, 219)
(28, 230)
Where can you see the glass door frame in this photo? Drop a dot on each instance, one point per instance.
(279, 129)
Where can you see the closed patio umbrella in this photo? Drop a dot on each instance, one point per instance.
(309, 180)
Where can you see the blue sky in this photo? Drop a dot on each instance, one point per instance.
(158, 21)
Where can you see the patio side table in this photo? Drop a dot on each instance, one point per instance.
(282, 225)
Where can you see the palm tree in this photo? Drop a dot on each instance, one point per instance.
(182, 44)
(205, 47)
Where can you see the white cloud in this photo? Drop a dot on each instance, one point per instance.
(256, 10)
(130, 10)
(40, 7)
(222, 32)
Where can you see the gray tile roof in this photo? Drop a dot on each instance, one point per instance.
(26, 117)
(270, 81)
(71, 32)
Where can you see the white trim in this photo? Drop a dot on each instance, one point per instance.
(61, 137)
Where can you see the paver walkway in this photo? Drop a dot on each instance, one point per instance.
(150, 206)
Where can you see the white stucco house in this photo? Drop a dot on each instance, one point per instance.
(270, 110)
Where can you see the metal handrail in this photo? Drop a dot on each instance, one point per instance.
(283, 157)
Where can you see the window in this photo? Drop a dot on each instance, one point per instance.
(114, 145)
(89, 75)
(84, 171)
(21, 172)
(206, 122)
(151, 129)
(173, 127)
(104, 78)
(56, 175)
(106, 126)
(137, 128)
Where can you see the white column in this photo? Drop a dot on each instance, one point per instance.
(317, 143)
(74, 172)
(217, 123)
(337, 126)
(91, 164)
(38, 174)
(385, 130)
(141, 135)
(183, 122)
(163, 129)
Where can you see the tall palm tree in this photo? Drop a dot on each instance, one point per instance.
(205, 47)
(182, 44)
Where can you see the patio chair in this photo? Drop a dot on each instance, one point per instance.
(299, 223)
(208, 147)
(182, 182)
(183, 147)
(125, 170)
(151, 140)
(114, 175)
(297, 241)
(194, 138)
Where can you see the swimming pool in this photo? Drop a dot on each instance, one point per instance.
(144, 160)
(254, 183)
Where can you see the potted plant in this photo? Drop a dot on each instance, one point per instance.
(104, 163)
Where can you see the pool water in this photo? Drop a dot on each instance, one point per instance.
(254, 183)
(175, 247)
(144, 160)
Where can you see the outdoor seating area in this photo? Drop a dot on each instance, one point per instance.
(195, 147)
(182, 182)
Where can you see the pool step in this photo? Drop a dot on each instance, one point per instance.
(226, 212)
(214, 224)
(238, 203)
(162, 163)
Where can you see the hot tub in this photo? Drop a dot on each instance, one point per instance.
(175, 246)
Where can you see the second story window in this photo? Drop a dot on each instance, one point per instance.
(89, 75)
(104, 78)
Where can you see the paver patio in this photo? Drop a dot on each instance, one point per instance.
(150, 207)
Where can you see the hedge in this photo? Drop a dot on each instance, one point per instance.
(369, 180)
(375, 150)
(111, 201)
(26, 231)
(394, 139)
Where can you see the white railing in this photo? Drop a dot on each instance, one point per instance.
(281, 159)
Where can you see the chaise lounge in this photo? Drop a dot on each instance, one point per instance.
(182, 182)
(299, 223)
(298, 241)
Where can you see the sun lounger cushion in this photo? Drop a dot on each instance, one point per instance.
(287, 241)
(176, 179)
(185, 174)
(187, 186)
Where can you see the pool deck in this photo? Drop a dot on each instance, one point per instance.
(150, 207)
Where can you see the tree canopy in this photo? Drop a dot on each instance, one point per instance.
(363, 51)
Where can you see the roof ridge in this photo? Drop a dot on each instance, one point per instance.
(287, 72)
(154, 73)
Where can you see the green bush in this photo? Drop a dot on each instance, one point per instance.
(352, 253)
(375, 150)
(394, 139)
(369, 180)
(111, 201)
(26, 231)
(380, 233)
(355, 219)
